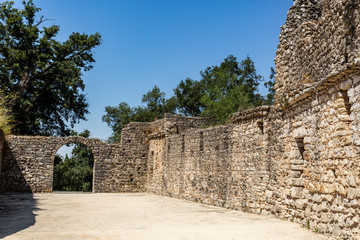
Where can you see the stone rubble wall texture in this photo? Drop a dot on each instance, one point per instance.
(298, 160)
(320, 39)
(28, 162)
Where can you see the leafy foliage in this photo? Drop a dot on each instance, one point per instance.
(269, 100)
(156, 106)
(221, 91)
(75, 173)
(188, 95)
(5, 117)
(42, 75)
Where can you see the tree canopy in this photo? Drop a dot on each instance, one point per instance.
(41, 76)
(221, 91)
(156, 106)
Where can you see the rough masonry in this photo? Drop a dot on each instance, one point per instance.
(28, 162)
(298, 159)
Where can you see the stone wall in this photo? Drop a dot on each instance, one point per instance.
(298, 160)
(300, 163)
(28, 162)
(320, 150)
(125, 168)
(227, 166)
(320, 39)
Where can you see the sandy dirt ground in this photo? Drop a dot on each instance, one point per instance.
(133, 217)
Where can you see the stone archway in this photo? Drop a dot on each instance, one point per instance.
(73, 174)
(29, 161)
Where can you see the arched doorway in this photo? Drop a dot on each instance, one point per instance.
(73, 167)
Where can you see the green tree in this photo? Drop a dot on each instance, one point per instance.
(117, 118)
(43, 76)
(188, 95)
(269, 100)
(156, 106)
(75, 173)
(221, 91)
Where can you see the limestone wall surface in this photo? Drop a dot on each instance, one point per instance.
(225, 166)
(298, 160)
(320, 39)
(28, 163)
(320, 139)
(300, 163)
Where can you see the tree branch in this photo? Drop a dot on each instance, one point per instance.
(41, 20)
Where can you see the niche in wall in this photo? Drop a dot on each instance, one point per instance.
(301, 146)
(201, 141)
(261, 126)
(345, 96)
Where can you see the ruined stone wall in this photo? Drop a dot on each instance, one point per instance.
(125, 168)
(320, 39)
(321, 185)
(300, 163)
(317, 87)
(228, 166)
(28, 162)
(298, 160)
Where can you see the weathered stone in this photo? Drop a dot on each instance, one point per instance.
(300, 157)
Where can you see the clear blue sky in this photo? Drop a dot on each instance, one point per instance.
(162, 42)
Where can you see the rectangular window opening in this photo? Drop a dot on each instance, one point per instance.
(183, 143)
(168, 146)
(261, 126)
(201, 140)
(345, 96)
(301, 146)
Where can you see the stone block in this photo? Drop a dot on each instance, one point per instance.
(296, 192)
(298, 182)
(299, 132)
(295, 174)
(296, 167)
(351, 193)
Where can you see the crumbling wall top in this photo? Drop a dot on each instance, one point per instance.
(175, 124)
(320, 40)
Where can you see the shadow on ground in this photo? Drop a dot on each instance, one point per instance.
(19, 208)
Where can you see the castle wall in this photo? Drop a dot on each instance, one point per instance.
(125, 168)
(298, 160)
